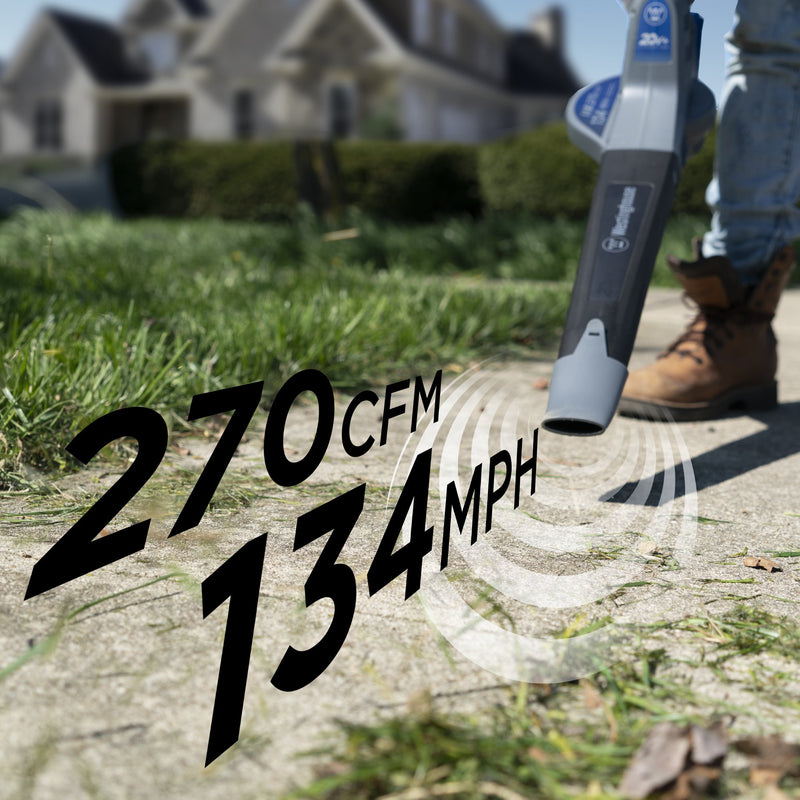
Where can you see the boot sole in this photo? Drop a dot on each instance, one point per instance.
(749, 398)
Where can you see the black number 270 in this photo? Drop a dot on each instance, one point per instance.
(80, 551)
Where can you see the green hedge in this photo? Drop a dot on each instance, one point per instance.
(267, 180)
(538, 173)
(408, 181)
(246, 181)
(542, 173)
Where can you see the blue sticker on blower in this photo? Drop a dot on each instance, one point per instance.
(594, 105)
(655, 33)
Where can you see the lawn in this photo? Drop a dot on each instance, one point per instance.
(98, 314)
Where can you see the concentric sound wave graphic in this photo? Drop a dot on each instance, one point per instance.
(537, 598)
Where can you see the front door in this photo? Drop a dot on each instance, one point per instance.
(164, 119)
(341, 110)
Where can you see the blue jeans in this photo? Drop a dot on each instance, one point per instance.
(757, 172)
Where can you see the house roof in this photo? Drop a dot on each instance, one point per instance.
(531, 67)
(192, 10)
(534, 68)
(195, 8)
(99, 46)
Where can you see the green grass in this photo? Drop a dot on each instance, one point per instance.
(98, 314)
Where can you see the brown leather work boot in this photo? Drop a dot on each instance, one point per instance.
(726, 359)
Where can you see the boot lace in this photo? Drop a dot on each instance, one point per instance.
(718, 328)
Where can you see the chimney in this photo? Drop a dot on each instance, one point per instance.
(548, 26)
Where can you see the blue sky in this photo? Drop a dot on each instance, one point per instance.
(595, 29)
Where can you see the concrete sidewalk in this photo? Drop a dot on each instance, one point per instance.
(120, 706)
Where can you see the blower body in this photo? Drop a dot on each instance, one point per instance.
(641, 127)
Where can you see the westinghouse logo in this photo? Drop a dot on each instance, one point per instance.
(618, 241)
(656, 13)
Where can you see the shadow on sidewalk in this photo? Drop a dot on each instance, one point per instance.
(778, 440)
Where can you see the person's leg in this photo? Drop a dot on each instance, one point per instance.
(757, 176)
(727, 357)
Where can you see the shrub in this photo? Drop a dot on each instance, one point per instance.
(538, 173)
(258, 181)
(408, 181)
(241, 180)
(543, 174)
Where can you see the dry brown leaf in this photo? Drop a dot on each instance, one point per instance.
(774, 793)
(764, 776)
(701, 778)
(657, 763)
(333, 769)
(537, 754)
(453, 367)
(682, 761)
(420, 703)
(771, 758)
(708, 745)
(591, 696)
(693, 784)
(762, 563)
(682, 789)
(341, 236)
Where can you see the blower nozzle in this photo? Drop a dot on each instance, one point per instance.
(641, 127)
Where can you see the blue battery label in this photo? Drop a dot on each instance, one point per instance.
(655, 33)
(593, 107)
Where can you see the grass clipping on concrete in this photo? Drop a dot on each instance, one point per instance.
(577, 739)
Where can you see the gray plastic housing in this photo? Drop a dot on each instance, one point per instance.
(585, 386)
(658, 100)
(641, 127)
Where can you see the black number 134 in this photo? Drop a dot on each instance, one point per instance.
(80, 551)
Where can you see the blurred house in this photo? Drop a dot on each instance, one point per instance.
(241, 69)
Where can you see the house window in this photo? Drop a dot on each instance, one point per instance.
(244, 117)
(160, 49)
(457, 124)
(499, 62)
(341, 110)
(417, 115)
(449, 24)
(48, 123)
(421, 21)
(484, 54)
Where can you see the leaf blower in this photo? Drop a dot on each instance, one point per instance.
(641, 127)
